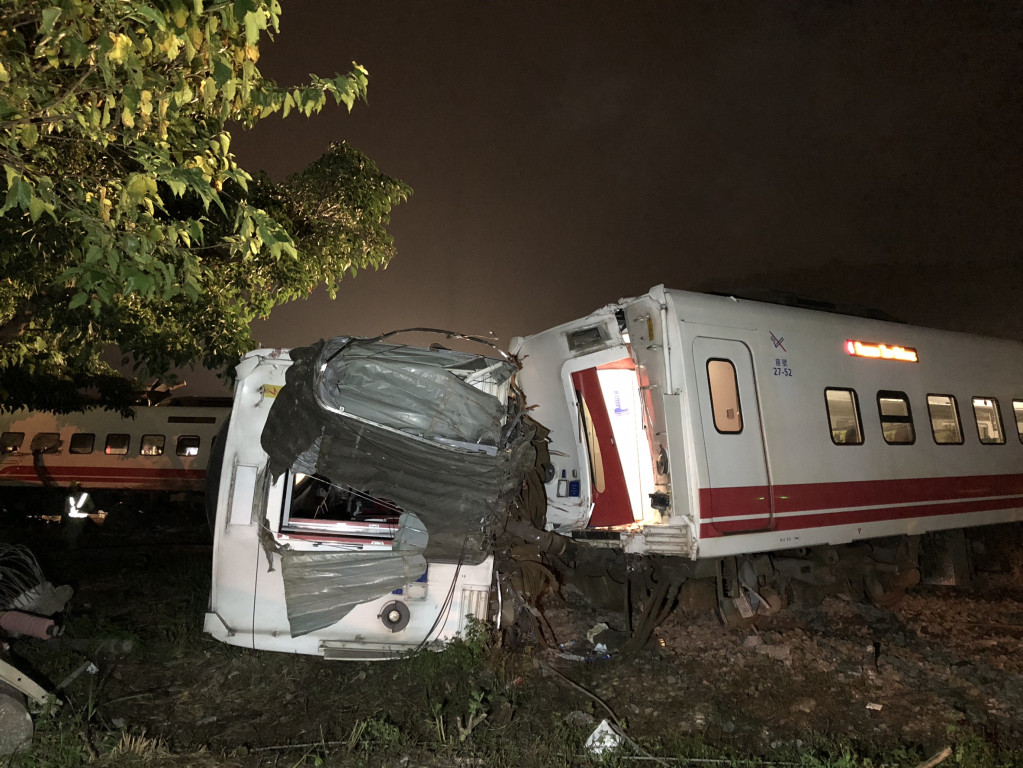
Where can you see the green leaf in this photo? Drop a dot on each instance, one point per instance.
(222, 72)
(36, 208)
(78, 300)
(254, 23)
(140, 186)
(155, 16)
(29, 135)
(49, 19)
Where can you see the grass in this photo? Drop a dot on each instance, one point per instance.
(473, 704)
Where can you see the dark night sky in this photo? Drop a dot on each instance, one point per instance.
(567, 154)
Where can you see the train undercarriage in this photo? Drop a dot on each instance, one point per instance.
(643, 590)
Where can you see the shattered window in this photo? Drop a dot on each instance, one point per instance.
(318, 509)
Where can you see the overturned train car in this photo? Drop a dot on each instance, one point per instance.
(359, 487)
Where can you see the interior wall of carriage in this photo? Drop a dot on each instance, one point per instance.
(868, 428)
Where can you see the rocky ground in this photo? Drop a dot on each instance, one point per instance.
(942, 660)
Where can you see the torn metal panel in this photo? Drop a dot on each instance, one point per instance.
(456, 489)
(322, 587)
(424, 392)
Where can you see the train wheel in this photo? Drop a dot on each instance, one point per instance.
(770, 602)
(888, 589)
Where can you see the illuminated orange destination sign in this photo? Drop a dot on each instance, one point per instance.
(880, 351)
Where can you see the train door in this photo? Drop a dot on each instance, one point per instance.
(621, 470)
(738, 498)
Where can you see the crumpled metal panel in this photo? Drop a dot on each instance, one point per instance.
(412, 390)
(320, 588)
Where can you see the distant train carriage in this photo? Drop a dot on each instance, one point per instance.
(165, 447)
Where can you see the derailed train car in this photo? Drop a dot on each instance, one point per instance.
(361, 483)
(772, 447)
(697, 439)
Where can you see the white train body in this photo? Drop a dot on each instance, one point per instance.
(163, 448)
(829, 428)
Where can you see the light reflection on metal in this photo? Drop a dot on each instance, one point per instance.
(881, 351)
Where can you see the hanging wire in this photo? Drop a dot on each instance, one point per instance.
(19, 573)
(354, 492)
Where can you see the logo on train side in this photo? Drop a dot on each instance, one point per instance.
(781, 364)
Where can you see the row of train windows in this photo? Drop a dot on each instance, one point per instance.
(117, 444)
(897, 425)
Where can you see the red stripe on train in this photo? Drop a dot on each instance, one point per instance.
(99, 473)
(151, 478)
(733, 502)
(883, 499)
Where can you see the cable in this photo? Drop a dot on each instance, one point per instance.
(19, 573)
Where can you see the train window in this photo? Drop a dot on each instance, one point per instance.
(318, 509)
(46, 442)
(10, 442)
(724, 396)
(1017, 408)
(945, 424)
(152, 445)
(844, 416)
(896, 418)
(188, 445)
(989, 421)
(82, 442)
(117, 444)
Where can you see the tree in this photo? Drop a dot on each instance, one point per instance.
(127, 222)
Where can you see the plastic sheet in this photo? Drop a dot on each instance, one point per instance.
(413, 390)
(322, 587)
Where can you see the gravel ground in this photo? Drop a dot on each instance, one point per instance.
(942, 661)
(941, 664)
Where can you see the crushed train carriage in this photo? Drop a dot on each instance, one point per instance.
(360, 484)
(767, 449)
